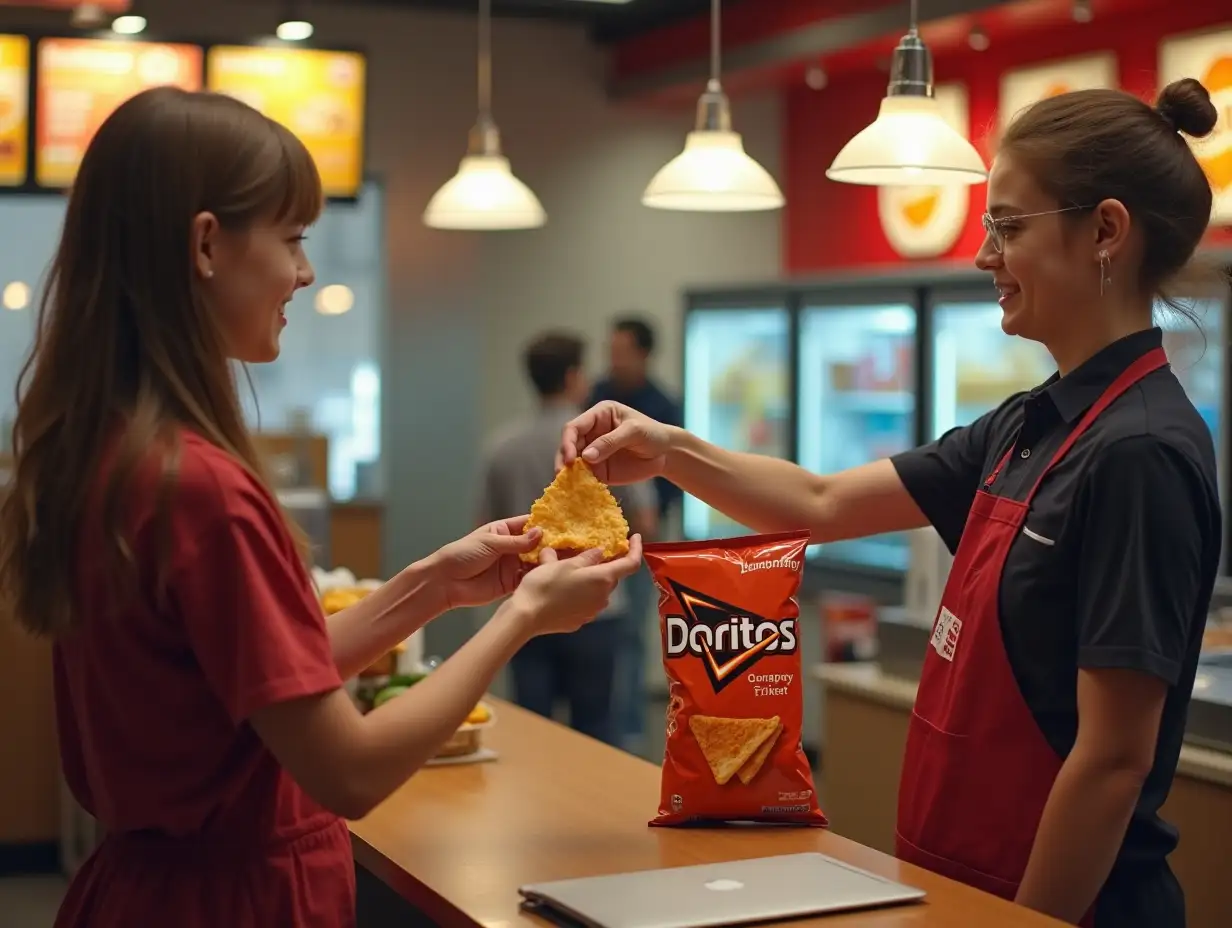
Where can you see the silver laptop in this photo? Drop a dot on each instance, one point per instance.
(737, 892)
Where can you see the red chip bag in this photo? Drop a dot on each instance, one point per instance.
(729, 619)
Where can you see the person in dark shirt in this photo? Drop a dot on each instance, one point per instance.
(1084, 518)
(631, 345)
(628, 381)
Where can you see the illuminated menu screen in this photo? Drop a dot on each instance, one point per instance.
(82, 81)
(14, 109)
(318, 95)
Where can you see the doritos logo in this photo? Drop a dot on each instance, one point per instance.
(727, 639)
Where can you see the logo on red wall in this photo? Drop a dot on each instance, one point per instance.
(1023, 86)
(1208, 57)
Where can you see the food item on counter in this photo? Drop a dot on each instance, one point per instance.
(386, 695)
(578, 512)
(341, 597)
(386, 664)
(730, 631)
(479, 715)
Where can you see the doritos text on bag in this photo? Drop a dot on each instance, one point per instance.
(731, 649)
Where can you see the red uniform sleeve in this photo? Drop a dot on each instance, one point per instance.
(249, 610)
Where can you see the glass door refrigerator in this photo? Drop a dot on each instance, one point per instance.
(1199, 359)
(974, 365)
(856, 399)
(737, 387)
(1196, 353)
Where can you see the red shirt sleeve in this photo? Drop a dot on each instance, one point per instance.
(248, 606)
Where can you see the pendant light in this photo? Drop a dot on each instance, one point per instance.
(713, 173)
(910, 142)
(484, 195)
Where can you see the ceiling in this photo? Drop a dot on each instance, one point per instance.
(609, 22)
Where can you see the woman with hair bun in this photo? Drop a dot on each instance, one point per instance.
(1083, 514)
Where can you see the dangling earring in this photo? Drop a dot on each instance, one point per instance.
(1105, 276)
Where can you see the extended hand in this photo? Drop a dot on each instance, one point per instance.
(620, 444)
(563, 595)
(484, 565)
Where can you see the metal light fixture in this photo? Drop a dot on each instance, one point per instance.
(713, 173)
(294, 27)
(910, 142)
(484, 195)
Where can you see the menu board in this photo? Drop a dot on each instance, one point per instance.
(82, 81)
(318, 95)
(14, 109)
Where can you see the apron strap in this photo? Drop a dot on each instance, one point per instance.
(1150, 362)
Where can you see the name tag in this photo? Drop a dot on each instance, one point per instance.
(945, 634)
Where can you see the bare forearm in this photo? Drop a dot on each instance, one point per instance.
(1081, 831)
(771, 495)
(764, 493)
(400, 736)
(363, 632)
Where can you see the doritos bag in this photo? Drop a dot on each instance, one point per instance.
(731, 649)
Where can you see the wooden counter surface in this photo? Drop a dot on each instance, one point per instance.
(867, 680)
(866, 717)
(457, 842)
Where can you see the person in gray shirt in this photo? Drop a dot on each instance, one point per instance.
(577, 668)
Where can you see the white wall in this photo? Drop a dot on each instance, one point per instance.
(462, 305)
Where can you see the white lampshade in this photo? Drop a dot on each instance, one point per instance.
(484, 196)
(713, 174)
(909, 143)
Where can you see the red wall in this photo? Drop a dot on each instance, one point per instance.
(830, 226)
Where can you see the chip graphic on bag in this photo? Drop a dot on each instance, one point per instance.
(729, 622)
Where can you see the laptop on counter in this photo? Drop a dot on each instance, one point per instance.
(737, 892)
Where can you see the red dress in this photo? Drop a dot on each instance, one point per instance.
(204, 828)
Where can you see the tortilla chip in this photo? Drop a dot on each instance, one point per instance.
(577, 513)
(728, 743)
(752, 766)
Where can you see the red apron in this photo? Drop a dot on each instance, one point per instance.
(977, 769)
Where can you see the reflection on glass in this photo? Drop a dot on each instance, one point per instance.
(1196, 353)
(857, 404)
(736, 393)
(976, 365)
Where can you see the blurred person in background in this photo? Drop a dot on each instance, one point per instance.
(200, 707)
(631, 345)
(1083, 515)
(577, 668)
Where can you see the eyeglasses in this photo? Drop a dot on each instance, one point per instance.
(995, 228)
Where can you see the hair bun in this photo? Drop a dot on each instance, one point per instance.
(1187, 107)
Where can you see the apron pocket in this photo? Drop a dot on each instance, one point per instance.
(954, 870)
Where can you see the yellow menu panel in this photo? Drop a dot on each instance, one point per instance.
(80, 84)
(318, 95)
(14, 109)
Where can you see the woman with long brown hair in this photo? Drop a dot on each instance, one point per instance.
(198, 686)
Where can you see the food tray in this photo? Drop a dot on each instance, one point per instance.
(468, 739)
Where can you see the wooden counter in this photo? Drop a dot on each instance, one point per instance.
(456, 842)
(866, 715)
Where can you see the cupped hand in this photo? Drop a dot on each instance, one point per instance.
(484, 565)
(620, 444)
(563, 594)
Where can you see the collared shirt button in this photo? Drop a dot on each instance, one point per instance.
(1024, 453)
